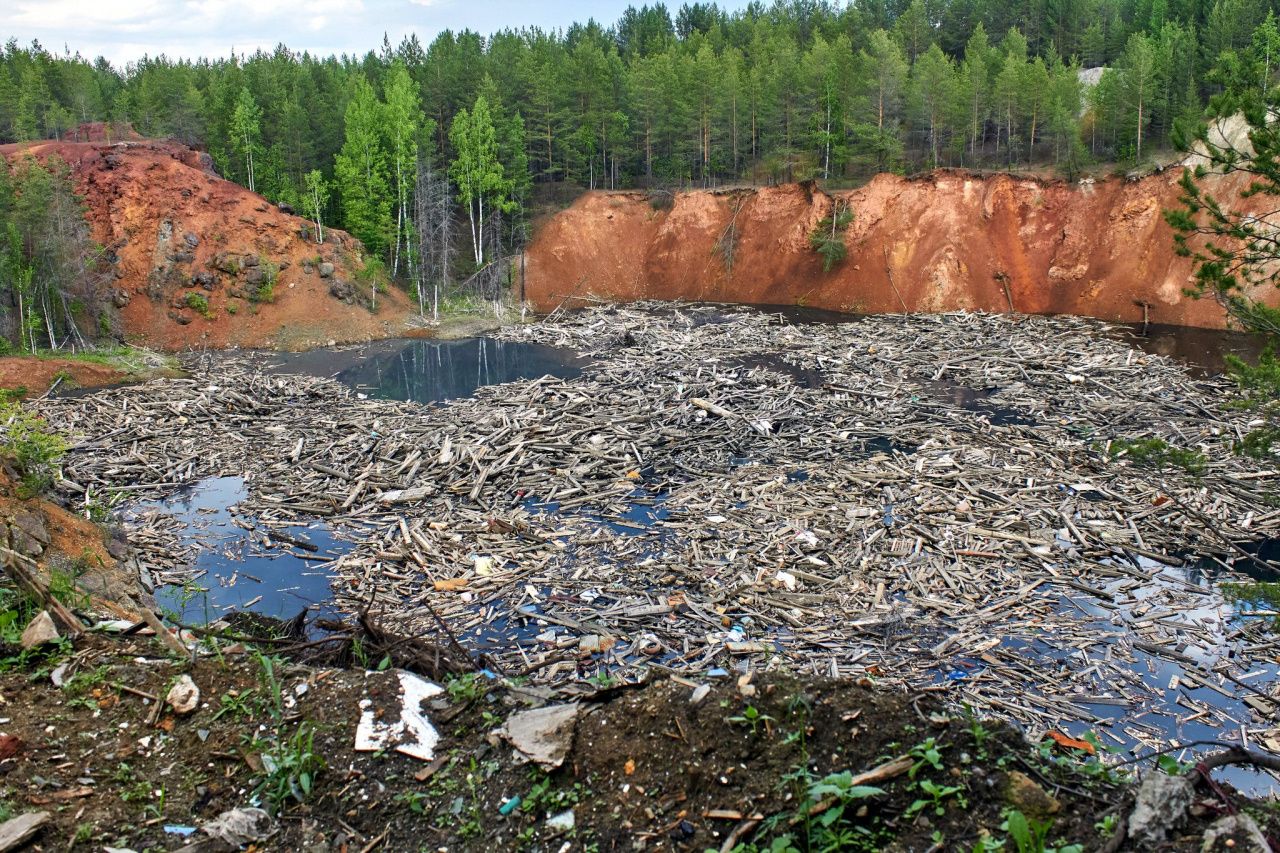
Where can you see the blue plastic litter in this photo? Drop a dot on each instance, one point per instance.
(510, 805)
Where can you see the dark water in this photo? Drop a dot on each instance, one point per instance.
(978, 401)
(1203, 349)
(235, 569)
(427, 371)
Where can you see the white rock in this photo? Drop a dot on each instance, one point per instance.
(183, 696)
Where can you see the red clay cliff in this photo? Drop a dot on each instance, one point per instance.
(942, 242)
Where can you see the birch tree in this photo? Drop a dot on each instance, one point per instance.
(476, 170)
(246, 129)
(317, 189)
(403, 120)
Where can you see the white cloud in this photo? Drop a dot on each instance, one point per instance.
(79, 14)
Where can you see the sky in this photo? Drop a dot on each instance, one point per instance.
(125, 30)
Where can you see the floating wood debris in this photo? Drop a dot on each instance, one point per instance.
(948, 506)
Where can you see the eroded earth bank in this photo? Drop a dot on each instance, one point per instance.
(941, 242)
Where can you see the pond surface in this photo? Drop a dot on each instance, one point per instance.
(430, 371)
(239, 569)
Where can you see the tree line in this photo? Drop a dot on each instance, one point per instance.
(793, 90)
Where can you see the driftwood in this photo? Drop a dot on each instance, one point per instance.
(941, 502)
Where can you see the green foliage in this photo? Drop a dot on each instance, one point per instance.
(752, 716)
(266, 290)
(52, 279)
(198, 303)
(1159, 454)
(1031, 836)
(827, 238)
(935, 798)
(29, 447)
(290, 768)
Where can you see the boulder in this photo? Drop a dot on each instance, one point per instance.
(248, 261)
(255, 277)
(326, 269)
(226, 262)
(32, 524)
(191, 240)
(26, 534)
(207, 280)
(341, 289)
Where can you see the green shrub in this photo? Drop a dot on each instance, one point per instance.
(197, 302)
(29, 447)
(1158, 453)
(827, 238)
(266, 291)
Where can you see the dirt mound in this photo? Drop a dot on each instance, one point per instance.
(202, 262)
(942, 242)
(35, 375)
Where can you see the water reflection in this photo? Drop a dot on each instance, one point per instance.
(429, 371)
(238, 569)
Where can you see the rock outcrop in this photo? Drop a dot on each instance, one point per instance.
(944, 241)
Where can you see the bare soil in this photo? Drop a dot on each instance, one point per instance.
(647, 769)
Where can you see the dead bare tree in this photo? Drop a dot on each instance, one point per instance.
(433, 216)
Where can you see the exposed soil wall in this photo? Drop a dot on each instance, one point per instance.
(942, 242)
(180, 238)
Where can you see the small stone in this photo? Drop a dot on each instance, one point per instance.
(562, 822)
(1026, 796)
(699, 693)
(39, 631)
(1235, 832)
(183, 696)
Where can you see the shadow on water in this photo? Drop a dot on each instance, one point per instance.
(234, 569)
(977, 400)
